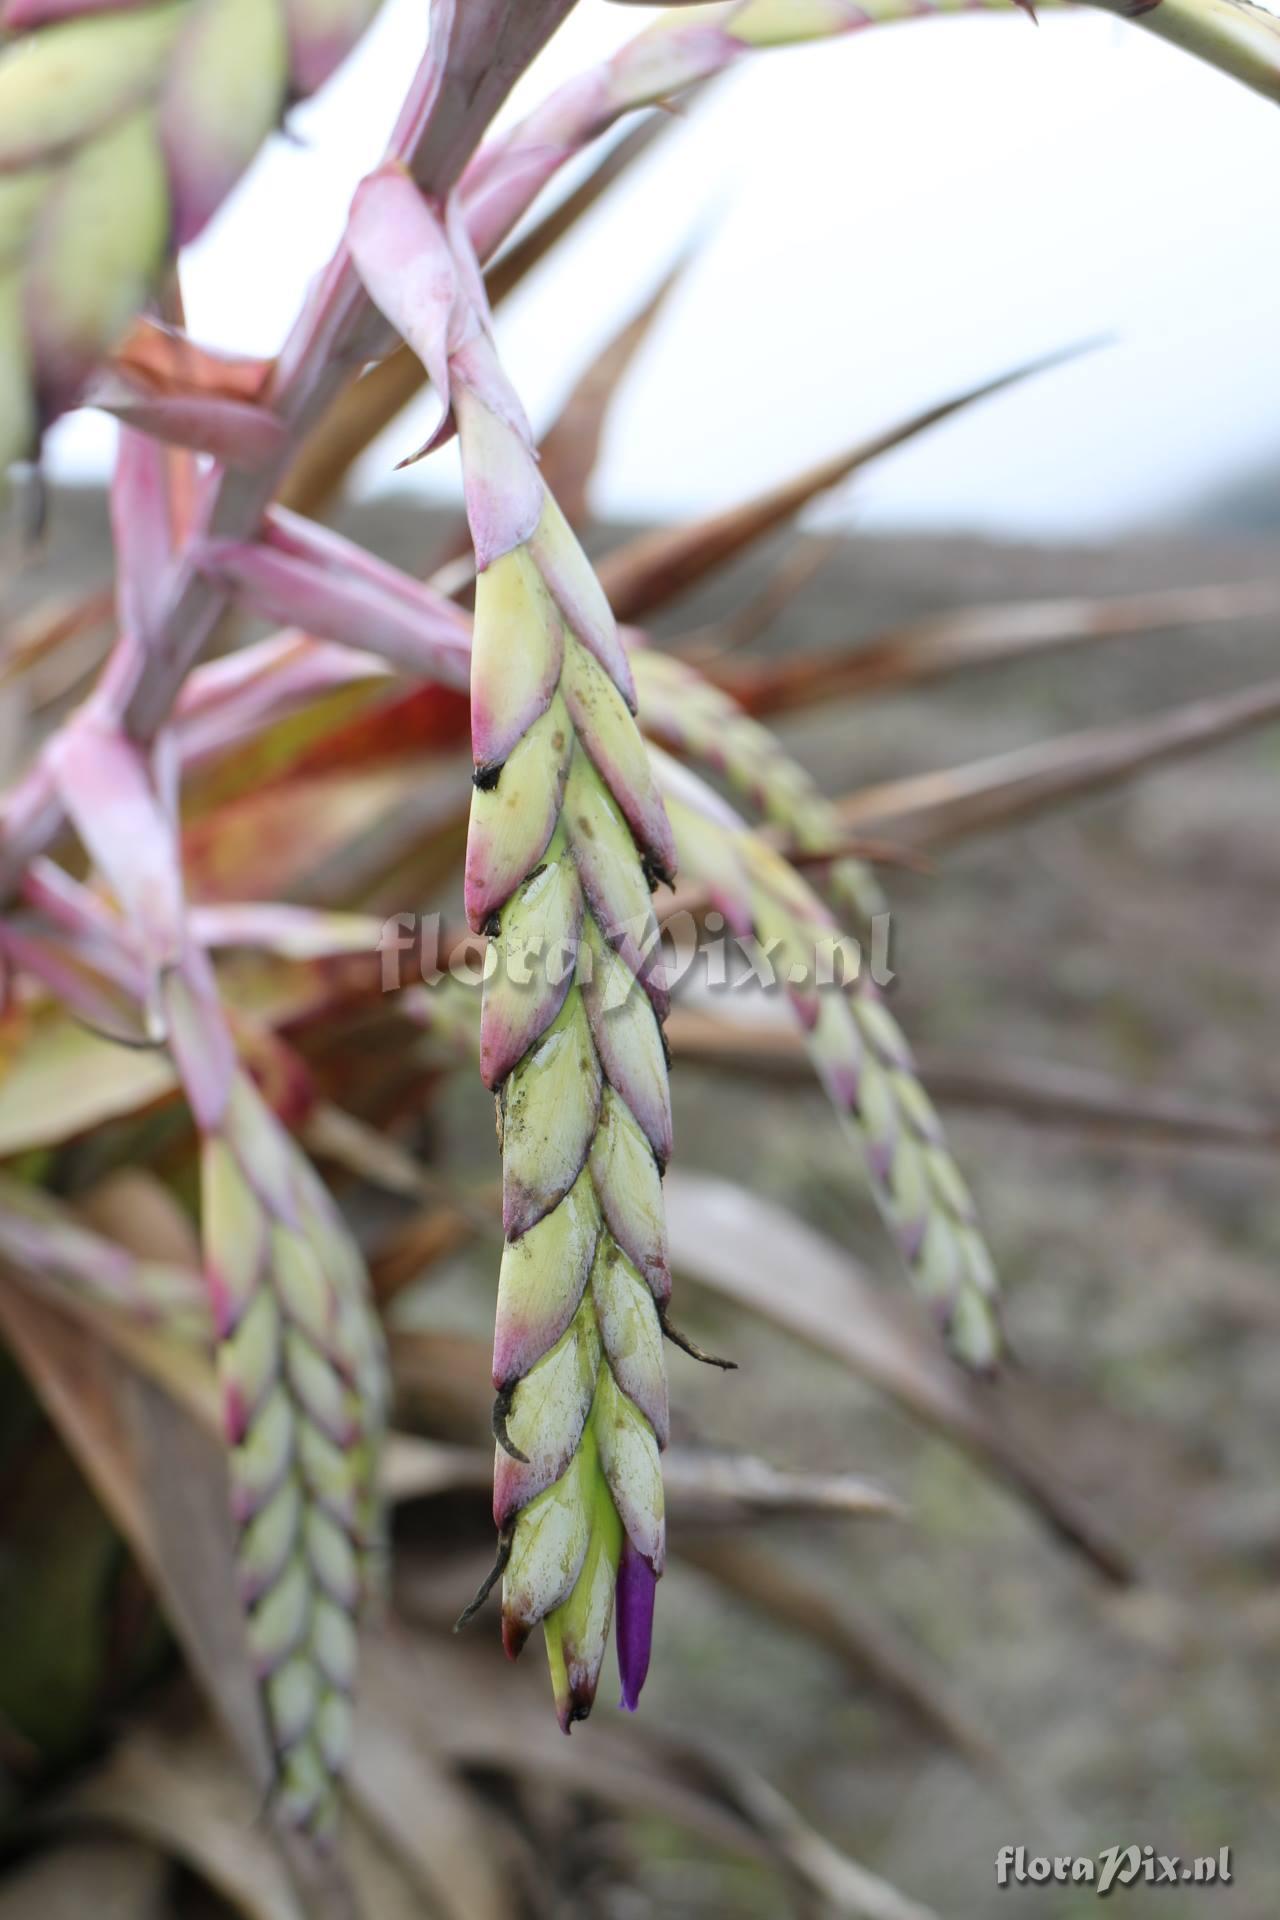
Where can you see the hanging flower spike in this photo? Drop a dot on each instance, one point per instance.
(861, 1057)
(299, 1347)
(299, 1350)
(122, 129)
(567, 836)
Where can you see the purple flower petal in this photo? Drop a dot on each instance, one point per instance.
(637, 1585)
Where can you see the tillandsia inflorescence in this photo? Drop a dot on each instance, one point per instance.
(859, 1053)
(568, 836)
(299, 1349)
(123, 126)
(858, 1048)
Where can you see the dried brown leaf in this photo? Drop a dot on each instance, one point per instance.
(570, 447)
(485, 1715)
(140, 1416)
(179, 1794)
(415, 1248)
(942, 644)
(869, 1650)
(1044, 1092)
(742, 1246)
(704, 1487)
(134, 1207)
(710, 1488)
(419, 1807)
(111, 1879)
(803, 561)
(934, 809)
(656, 568)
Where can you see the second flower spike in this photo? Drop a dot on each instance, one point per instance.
(123, 127)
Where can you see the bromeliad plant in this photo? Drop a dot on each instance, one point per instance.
(269, 807)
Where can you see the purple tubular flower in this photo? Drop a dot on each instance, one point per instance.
(637, 1586)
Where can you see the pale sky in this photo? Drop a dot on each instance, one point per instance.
(881, 220)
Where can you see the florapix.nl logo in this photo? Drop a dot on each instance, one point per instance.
(1132, 1865)
(417, 947)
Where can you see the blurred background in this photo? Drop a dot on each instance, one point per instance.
(1089, 974)
(876, 224)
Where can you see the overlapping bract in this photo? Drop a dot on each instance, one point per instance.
(567, 837)
(859, 1053)
(300, 1363)
(299, 1349)
(123, 126)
